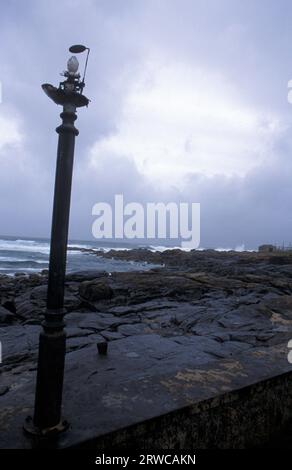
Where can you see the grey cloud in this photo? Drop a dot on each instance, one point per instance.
(248, 41)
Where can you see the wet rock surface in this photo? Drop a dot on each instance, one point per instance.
(199, 308)
(212, 304)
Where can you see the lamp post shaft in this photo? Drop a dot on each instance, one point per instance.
(61, 210)
(47, 417)
(52, 345)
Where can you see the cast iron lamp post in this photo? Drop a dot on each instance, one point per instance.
(47, 418)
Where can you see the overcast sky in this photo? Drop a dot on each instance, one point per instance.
(188, 103)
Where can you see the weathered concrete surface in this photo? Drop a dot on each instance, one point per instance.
(131, 398)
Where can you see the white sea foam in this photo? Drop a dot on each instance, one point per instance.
(32, 246)
(25, 246)
(238, 248)
(113, 248)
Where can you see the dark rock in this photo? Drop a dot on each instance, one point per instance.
(3, 390)
(130, 330)
(244, 337)
(92, 321)
(280, 260)
(19, 343)
(282, 305)
(266, 336)
(27, 310)
(6, 317)
(152, 306)
(39, 296)
(111, 335)
(39, 293)
(35, 279)
(95, 290)
(81, 276)
(9, 304)
(122, 310)
(72, 302)
(80, 342)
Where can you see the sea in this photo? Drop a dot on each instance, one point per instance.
(31, 255)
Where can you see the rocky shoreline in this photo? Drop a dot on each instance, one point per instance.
(205, 308)
(215, 304)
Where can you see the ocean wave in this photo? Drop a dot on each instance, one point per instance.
(26, 270)
(8, 259)
(24, 263)
(32, 246)
(24, 245)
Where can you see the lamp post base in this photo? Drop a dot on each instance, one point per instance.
(32, 430)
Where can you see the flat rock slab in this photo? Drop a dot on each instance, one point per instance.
(146, 377)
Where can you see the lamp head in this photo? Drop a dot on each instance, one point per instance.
(72, 65)
(70, 91)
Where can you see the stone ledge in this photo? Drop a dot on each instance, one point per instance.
(126, 399)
